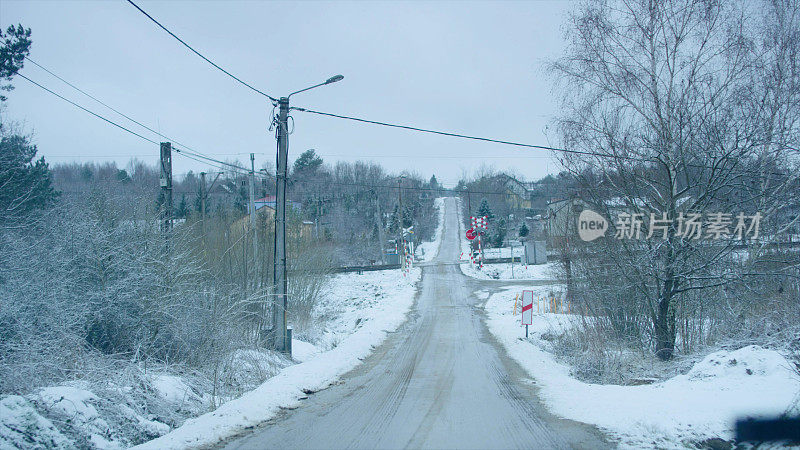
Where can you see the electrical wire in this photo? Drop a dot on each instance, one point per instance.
(88, 111)
(196, 156)
(497, 141)
(386, 124)
(174, 141)
(464, 136)
(200, 54)
(186, 149)
(190, 153)
(101, 102)
(366, 156)
(390, 186)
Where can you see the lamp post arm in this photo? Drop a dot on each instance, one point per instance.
(306, 89)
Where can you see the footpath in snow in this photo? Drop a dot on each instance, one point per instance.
(679, 412)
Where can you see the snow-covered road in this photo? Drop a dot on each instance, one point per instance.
(440, 381)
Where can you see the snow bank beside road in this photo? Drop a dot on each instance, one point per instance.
(426, 251)
(702, 404)
(287, 388)
(352, 313)
(504, 271)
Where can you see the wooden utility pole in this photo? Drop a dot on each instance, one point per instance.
(316, 218)
(401, 245)
(379, 224)
(166, 186)
(204, 191)
(203, 206)
(253, 209)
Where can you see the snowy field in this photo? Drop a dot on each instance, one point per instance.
(354, 314)
(426, 251)
(504, 252)
(701, 404)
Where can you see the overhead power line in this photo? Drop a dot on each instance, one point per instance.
(184, 152)
(103, 103)
(463, 136)
(393, 186)
(517, 144)
(88, 111)
(374, 156)
(200, 54)
(190, 153)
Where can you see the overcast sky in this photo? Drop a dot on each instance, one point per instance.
(475, 68)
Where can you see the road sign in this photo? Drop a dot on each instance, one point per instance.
(479, 223)
(470, 234)
(527, 307)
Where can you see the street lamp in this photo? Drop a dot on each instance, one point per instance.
(330, 80)
(281, 340)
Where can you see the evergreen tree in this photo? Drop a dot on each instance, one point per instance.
(87, 172)
(408, 218)
(241, 202)
(394, 223)
(307, 163)
(500, 234)
(183, 209)
(485, 210)
(15, 45)
(434, 183)
(122, 176)
(27, 185)
(523, 230)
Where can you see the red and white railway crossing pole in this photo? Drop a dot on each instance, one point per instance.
(479, 228)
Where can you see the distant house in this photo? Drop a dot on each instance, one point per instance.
(518, 196)
(306, 229)
(270, 201)
(265, 218)
(561, 219)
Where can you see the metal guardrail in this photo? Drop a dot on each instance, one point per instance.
(346, 269)
(502, 260)
(360, 269)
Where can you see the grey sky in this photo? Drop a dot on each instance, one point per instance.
(473, 68)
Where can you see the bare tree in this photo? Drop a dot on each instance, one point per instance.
(686, 106)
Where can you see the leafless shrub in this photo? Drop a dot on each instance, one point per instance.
(682, 106)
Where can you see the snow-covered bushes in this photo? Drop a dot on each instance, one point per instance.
(151, 328)
(751, 301)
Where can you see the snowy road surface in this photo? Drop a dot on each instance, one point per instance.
(440, 381)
